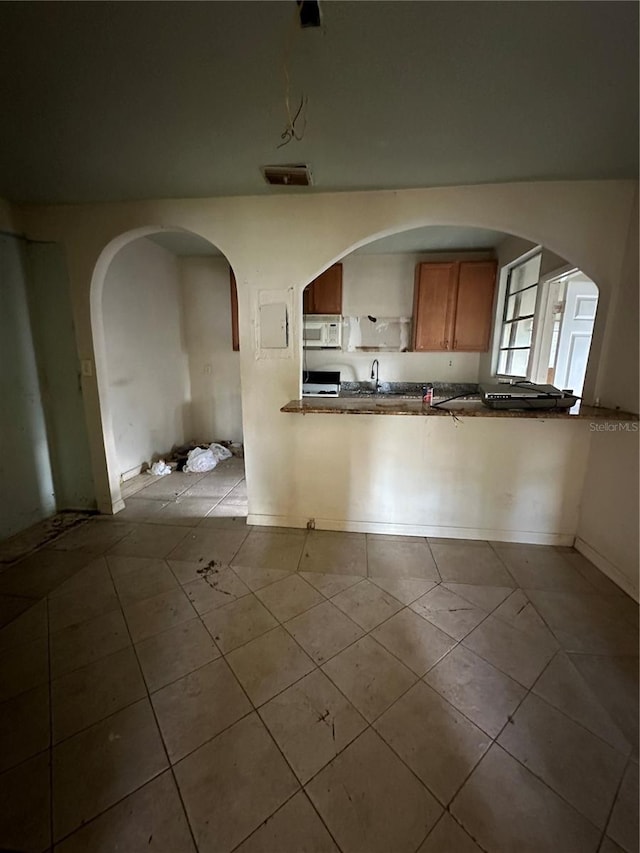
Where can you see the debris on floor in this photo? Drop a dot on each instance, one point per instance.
(159, 468)
(182, 457)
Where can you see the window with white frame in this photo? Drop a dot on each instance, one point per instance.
(518, 318)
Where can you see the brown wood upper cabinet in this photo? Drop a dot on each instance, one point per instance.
(324, 294)
(452, 306)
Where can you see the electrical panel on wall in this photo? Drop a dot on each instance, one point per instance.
(273, 312)
(274, 326)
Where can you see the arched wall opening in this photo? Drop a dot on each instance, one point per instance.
(166, 369)
(371, 289)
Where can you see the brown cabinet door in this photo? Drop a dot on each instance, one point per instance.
(434, 307)
(235, 335)
(324, 294)
(474, 315)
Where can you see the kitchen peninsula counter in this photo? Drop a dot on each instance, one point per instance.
(469, 408)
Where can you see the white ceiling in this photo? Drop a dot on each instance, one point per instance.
(123, 100)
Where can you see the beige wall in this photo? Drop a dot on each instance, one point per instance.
(147, 363)
(214, 368)
(277, 244)
(382, 285)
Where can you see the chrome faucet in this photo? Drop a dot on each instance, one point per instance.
(375, 368)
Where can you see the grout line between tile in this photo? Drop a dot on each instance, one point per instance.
(159, 730)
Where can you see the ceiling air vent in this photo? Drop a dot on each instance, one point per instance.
(298, 175)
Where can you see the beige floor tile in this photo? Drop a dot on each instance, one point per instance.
(185, 511)
(11, 606)
(225, 517)
(481, 692)
(25, 815)
(323, 631)
(93, 692)
(255, 579)
(482, 595)
(171, 654)
(438, 743)
(211, 488)
(151, 819)
(168, 488)
(268, 664)
(369, 676)
(623, 824)
(352, 795)
(562, 686)
(237, 495)
(238, 623)
(100, 765)
(400, 559)
(137, 582)
(30, 625)
(141, 509)
(598, 580)
(93, 537)
(119, 567)
(135, 484)
(232, 784)
(519, 655)
(468, 562)
(266, 550)
(149, 540)
(416, 642)
(367, 604)
(41, 572)
(448, 837)
(328, 584)
(94, 575)
(215, 588)
(289, 597)
(609, 846)
(541, 567)
(204, 545)
(585, 623)
(335, 553)
(614, 680)
(504, 807)
(71, 608)
(24, 726)
(311, 722)
(454, 615)
(405, 590)
(23, 667)
(519, 612)
(294, 827)
(197, 707)
(580, 767)
(149, 617)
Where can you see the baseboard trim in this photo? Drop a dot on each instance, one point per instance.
(606, 567)
(527, 537)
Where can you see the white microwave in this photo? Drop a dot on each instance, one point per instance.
(322, 331)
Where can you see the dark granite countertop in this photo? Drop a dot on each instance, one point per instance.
(472, 407)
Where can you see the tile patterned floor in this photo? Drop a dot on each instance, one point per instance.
(172, 680)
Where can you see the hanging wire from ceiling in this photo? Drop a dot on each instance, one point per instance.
(296, 122)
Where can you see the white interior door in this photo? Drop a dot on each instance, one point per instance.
(581, 302)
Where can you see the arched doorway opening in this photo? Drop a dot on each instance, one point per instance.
(167, 371)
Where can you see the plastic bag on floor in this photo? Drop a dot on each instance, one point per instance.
(160, 468)
(219, 452)
(200, 460)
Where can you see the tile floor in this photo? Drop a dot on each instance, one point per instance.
(172, 680)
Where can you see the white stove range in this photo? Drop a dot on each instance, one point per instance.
(320, 383)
